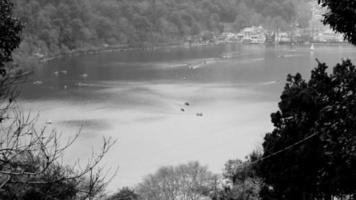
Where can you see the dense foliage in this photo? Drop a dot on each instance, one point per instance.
(22, 189)
(55, 26)
(311, 153)
(10, 30)
(341, 16)
(241, 180)
(318, 118)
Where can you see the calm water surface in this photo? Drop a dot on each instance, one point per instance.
(138, 98)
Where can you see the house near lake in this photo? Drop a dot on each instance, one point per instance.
(253, 35)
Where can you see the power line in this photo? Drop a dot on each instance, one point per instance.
(284, 149)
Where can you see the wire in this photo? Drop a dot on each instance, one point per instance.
(284, 149)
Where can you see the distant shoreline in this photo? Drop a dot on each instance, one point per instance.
(103, 49)
(125, 48)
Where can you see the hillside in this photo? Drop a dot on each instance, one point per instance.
(53, 26)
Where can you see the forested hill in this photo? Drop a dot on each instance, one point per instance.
(53, 26)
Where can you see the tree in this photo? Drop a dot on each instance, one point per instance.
(125, 194)
(243, 17)
(341, 16)
(30, 166)
(304, 14)
(65, 189)
(240, 180)
(186, 182)
(311, 153)
(30, 163)
(10, 31)
(10, 38)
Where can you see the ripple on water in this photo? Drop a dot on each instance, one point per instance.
(91, 124)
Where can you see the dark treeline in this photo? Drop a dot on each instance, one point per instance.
(59, 26)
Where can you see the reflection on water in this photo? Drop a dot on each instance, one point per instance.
(171, 105)
(91, 124)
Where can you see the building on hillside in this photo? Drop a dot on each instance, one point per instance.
(253, 35)
(329, 36)
(319, 31)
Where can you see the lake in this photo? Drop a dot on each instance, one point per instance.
(168, 106)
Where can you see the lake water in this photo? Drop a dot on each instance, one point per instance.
(139, 98)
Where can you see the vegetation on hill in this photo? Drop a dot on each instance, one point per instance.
(58, 26)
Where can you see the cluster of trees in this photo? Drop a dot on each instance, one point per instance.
(274, 15)
(58, 26)
(187, 181)
(193, 181)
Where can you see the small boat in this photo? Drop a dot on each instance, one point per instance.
(199, 114)
(312, 48)
(227, 56)
(37, 83)
(193, 67)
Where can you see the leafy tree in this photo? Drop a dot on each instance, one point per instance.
(187, 182)
(314, 136)
(125, 194)
(311, 153)
(240, 180)
(341, 16)
(63, 189)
